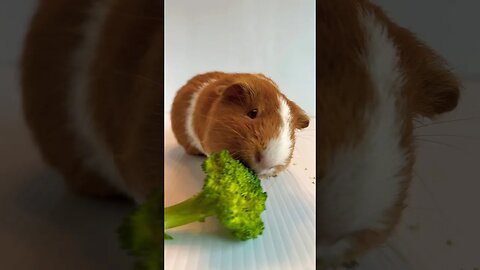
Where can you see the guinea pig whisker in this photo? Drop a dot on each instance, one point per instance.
(440, 143)
(304, 133)
(448, 121)
(448, 135)
(306, 138)
(230, 129)
(399, 255)
(236, 132)
(234, 152)
(434, 199)
(443, 144)
(240, 152)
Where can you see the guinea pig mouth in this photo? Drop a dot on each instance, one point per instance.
(260, 173)
(244, 163)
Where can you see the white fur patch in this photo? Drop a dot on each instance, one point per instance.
(278, 149)
(189, 124)
(96, 155)
(362, 181)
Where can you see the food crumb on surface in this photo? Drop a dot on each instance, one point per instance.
(313, 182)
(305, 169)
(449, 243)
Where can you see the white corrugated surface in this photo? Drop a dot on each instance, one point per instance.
(288, 241)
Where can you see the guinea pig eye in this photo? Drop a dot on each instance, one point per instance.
(253, 113)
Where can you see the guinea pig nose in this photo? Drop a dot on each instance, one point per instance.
(258, 157)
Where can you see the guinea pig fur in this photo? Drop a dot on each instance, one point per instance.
(373, 78)
(89, 93)
(245, 114)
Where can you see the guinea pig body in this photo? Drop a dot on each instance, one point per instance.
(89, 93)
(373, 79)
(243, 113)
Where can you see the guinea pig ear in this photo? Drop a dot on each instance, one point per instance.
(235, 92)
(437, 92)
(431, 87)
(300, 118)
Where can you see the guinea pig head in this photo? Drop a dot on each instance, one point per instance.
(256, 123)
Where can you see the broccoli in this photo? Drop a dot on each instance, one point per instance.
(231, 192)
(142, 233)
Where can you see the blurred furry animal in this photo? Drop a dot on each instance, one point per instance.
(373, 79)
(243, 113)
(91, 110)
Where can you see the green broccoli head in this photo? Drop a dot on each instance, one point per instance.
(236, 194)
(231, 192)
(142, 234)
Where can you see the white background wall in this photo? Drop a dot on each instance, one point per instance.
(450, 27)
(274, 37)
(14, 18)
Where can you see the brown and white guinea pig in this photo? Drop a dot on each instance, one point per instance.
(90, 96)
(373, 79)
(245, 114)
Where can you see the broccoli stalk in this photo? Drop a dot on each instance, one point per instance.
(188, 211)
(231, 192)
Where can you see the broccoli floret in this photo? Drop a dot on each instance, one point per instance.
(142, 234)
(231, 192)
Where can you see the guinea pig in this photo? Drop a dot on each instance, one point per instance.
(243, 113)
(91, 99)
(373, 79)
